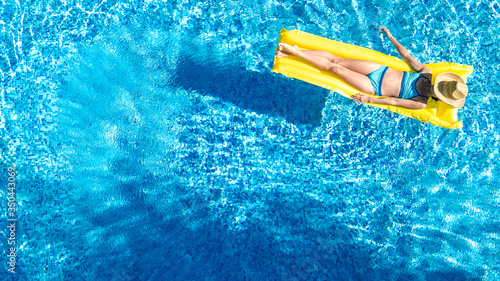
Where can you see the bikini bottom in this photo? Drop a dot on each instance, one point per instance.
(376, 78)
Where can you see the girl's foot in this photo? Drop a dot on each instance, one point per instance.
(283, 47)
(282, 54)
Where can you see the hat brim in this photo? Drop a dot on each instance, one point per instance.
(448, 76)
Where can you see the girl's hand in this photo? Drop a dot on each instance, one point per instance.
(362, 98)
(383, 29)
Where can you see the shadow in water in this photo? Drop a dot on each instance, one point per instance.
(192, 240)
(265, 93)
(138, 222)
(137, 241)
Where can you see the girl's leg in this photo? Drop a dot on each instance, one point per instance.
(356, 79)
(364, 67)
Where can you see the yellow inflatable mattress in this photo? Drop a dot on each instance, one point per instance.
(437, 113)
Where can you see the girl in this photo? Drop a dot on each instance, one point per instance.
(405, 89)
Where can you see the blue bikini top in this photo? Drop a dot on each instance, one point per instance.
(409, 85)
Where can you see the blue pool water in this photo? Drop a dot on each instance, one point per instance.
(151, 142)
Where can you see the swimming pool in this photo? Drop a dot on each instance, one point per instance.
(151, 142)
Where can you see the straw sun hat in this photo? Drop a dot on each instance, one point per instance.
(451, 89)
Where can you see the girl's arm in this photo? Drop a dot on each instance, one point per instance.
(415, 103)
(405, 54)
